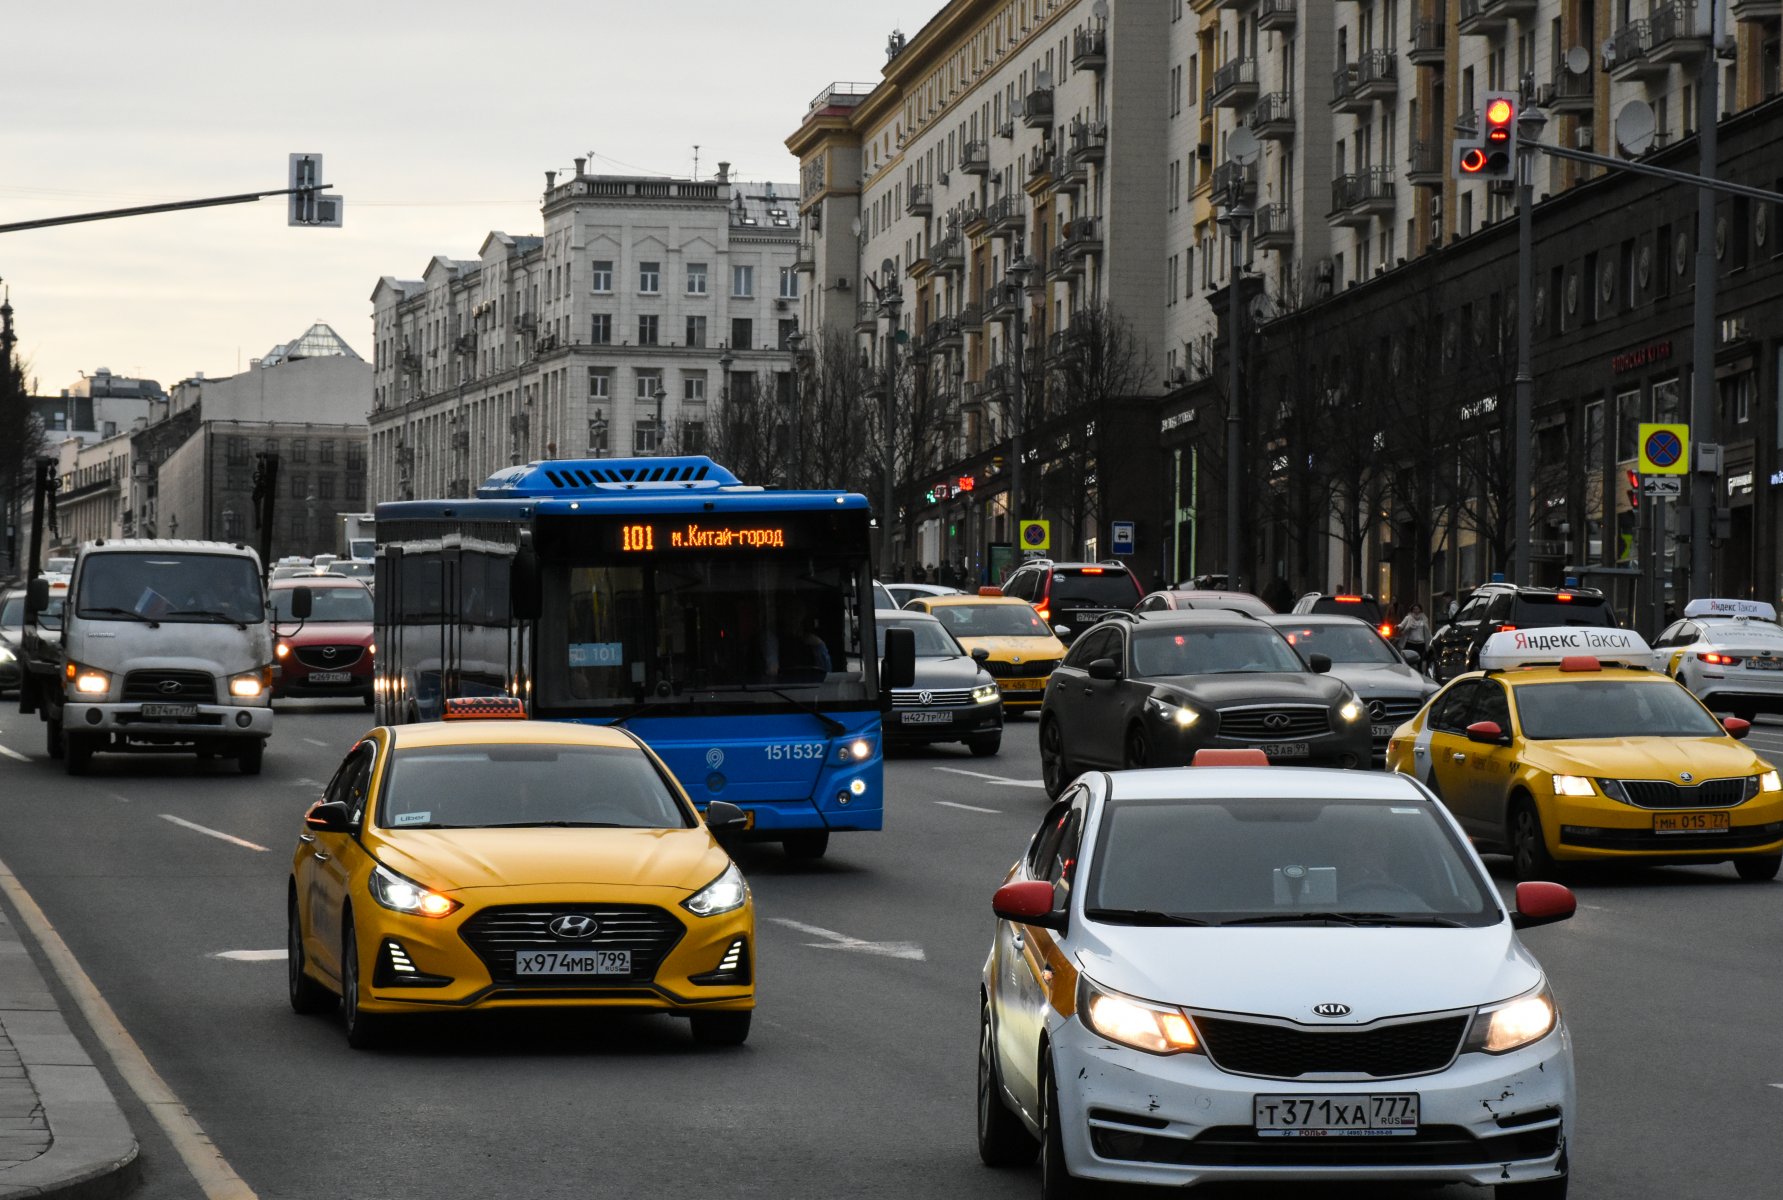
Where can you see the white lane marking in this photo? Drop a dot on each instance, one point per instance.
(119, 797)
(209, 832)
(305, 783)
(317, 742)
(212, 1171)
(841, 941)
(967, 807)
(252, 955)
(1004, 780)
(14, 754)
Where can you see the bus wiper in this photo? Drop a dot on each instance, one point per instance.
(830, 725)
(1141, 916)
(123, 612)
(209, 613)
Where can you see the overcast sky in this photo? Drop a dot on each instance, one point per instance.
(436, 121)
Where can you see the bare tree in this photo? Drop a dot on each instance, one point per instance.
(22, 442)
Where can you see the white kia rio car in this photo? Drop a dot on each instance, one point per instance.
(1256, 973)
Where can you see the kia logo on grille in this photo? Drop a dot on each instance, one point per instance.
(1277, 721)
(574, 926)
(1377, 710)
(926, 697)
(1331, 1009)
(171, 687)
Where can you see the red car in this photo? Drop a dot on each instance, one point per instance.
(330, 653)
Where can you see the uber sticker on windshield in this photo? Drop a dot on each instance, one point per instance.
(1413, 811)
(414, 818)
(597, 654)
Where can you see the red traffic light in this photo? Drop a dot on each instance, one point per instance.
(1473, 160)
(1499, 111)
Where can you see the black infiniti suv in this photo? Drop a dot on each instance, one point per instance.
(1149, 690)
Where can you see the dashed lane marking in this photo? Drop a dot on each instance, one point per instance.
(317, 742)
(209, 832)
(841, 941)
(967, 807)
(14, 754)
(252, 955)
(1001, 780)
(305, 783)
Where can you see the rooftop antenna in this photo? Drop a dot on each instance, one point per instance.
(696, 160)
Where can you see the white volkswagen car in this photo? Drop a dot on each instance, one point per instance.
(1254, 973)
(1729, 652)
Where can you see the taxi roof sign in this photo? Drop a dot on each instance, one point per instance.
(484, 708)
(1729, 607)
(1553, 645)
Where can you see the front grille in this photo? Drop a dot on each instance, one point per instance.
(184, 687)
(1393, 711)
(1740, 837)
(1022, 670)
(1281, 1052)
(329, 658)
(647, 931)
(1274, 723)
(951, 698)
(1710, 793)
(1239, 1146)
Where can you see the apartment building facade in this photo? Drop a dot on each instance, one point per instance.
(642, 305)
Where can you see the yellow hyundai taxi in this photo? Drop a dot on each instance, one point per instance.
(1020, 651)
(503, 863)
(1566, 748)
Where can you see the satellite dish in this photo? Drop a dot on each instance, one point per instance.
(1099, 10)
(1635, 127)
(1578, 60)
(1261, 309)
(1242, 147)
(854, 227)
(888, 270)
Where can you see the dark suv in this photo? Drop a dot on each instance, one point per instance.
(1150, 690)
(1455, 648)
(1345, 604)
(1072, 597)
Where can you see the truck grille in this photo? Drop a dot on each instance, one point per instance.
(1274, 723)
(647, 931)
(1710, 793)
(1024, 670)
(951, 698)
(185, 687)
(1281, 1052)
(329, 658)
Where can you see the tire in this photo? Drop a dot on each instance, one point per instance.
(365, 1031)
(1003, 1141)
(1139, 749)
(307, 996)
(52, 736)
(720, 1028)
(984, 747)
(1056, 1180)
(77, 752)
(807, 846)
(369, 700)
(1530, 855)
(1055, 769)
(1758, 868)
(250, 757)
(1536, 1189)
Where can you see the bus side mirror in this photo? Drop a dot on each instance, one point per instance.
(524, 593)
(302, 603)
(37, 597)
(899, 669)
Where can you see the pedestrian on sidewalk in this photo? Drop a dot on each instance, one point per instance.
(1414, 629)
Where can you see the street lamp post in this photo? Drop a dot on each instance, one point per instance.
(1020, 271)
(1236, 221)
(659, 395)
(892, 304)
(725, 360)
(796, 342)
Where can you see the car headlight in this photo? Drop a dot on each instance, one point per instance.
(7, 655)
(1573, 785)
(249, 684)
(1153, 1028)
(1512, 1024)
(406, 896)
(984, 693)
(88, 681)
(725, 894)
(1351, 710)
(1180, 715)
(1768, 782)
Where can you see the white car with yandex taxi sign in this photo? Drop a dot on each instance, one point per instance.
(1225, 973)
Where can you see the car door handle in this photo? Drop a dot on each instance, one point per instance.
(1089, 691)
(1016, 940)
(1458, 757)
(306, 837)
(321, 855)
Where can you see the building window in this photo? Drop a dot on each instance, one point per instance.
(600, 383)
(696, 331)
(647, 330)
(743, 281)
(789, 284)
(742, 333)
(648, 384)
(356, 487)
(602, 271)
(271, 446)
(788, 327)
(325, 486)
(235, 450)
(696, 279)
(299, 527)
(600, 331)
(693, 437)
(650, 278)
(645, 438)
(300, 449)
(693, 388)
(300, 485)
(327, 453)
(355, 456)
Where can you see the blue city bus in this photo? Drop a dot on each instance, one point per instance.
(730, 627)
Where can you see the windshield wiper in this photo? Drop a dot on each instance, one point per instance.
(830, 725)
(1342, 918)
(1141, 916)
(122, 612)
(211, 614)
(555, 825)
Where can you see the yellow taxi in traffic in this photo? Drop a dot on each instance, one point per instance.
(1020, 651)
(505, 863)
(1565, 747)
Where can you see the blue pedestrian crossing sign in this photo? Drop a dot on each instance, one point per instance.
(1122, 536)
(1664, 449)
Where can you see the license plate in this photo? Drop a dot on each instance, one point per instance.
(330, 676)
(1382, 731)
(1692, 822)
(1023, 685)
(1335, 1116)
(1764, 664)
(928, 718)
(1286, 750)
(169, 711)
(572, 962)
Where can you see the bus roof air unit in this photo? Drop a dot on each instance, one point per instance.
(604, 476)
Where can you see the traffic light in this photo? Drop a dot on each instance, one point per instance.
(1634, 488)
(1492, 155)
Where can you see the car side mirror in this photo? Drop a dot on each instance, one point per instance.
(1737, 728)
(899, 667)
(1028, 903)
(1488, 732)
(1062, 631)
(1542, 904)
(980, 655)
(303, 603)
(1412, 657)
(328, 816)
(1320, 663)
(724, 817)
(1104, 668)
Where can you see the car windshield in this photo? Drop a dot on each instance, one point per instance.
(1214, 650)
(1611, 708)
(1344, 643)
(1077, 589)
(1263, 860)
(165, 586)
(326, 604)
(991, 620)
(480, 786)
(932, 641)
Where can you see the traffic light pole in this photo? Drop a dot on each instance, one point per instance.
(1524, 417)
(1704, 404)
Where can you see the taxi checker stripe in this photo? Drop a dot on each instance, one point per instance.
(1041, 952)
(462, 707)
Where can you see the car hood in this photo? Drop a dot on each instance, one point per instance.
(1645, 757)
(451, 859)
(1004, 648)
(1258, 687)
(1283, 970)
(954, 671)
(1383, 679)
(329, 633)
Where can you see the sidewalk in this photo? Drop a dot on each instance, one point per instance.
(62, 1133)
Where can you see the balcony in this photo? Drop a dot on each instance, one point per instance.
(1073, 174)
(1234, 85)
(1007, 128)
(975, 159)
(1089, 141)
(1089, 49)
(1037, 108)
(921, 201)
(1627, 58)
(1357, 199)
(1755, 10)
(997, 382)
(1377, 75)
(1273, 117)
(1428, 166)
(1273, 228)
(1006, 215)
(1061, 266)
(1429, 39)
(1343, 91)
(1680, 32)
(1000, 302)
(1228, 175)
(949, 254)
(866, 316)
(1083, 236)
(945, 334)
(1482, 18)
(807, 258)
(971, 318)
(1276, 14)
(1040, 171)
(1573, 93)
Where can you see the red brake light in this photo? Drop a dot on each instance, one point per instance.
(1564, 597)
(1092, 571)
(1347, 599)
(1720, 660)
(1385, 630)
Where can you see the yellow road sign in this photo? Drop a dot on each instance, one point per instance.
(1664, 449)
(1036, 535)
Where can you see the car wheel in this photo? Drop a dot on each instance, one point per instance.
(1055, 768)
(1139, 748)
(77, 753)
(307, 996)
(720, 1028)
(1003, 1141)
(1535, 1189)
(1529, 846)
(1758, 867)
(807, 846)
(52, 736)
(984, 747)
(251, 756)
(365, 1031)
(370, 700)
(1056, 1180)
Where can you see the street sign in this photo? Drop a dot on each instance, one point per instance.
(1664, 450)
(1123, 537)
(1036, 535)
(1662, 485)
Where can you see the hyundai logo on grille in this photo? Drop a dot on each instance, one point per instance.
(1331, 1009)
(1277, 721)
(171, 686)
(574, 926)
(1377, 710)
(926, 697)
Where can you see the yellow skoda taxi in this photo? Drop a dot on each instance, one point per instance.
(503, 863)
(1566, 748)
(1020, 650)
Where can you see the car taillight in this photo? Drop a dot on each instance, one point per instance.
(1719, 660)
(1045, 613)
(1385, 629)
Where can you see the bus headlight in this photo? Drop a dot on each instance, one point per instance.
(858, 750)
